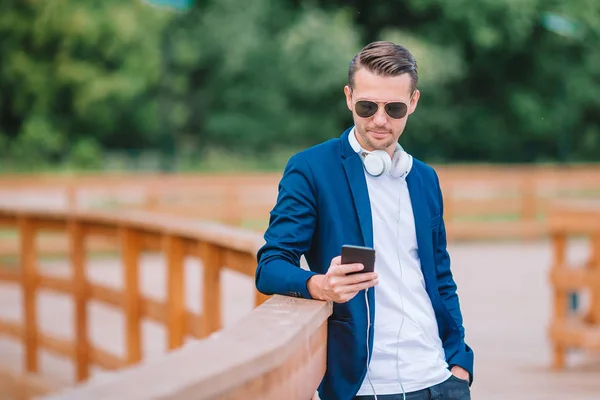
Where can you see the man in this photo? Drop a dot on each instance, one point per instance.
(402, 337)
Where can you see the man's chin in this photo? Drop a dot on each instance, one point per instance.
(381, 144)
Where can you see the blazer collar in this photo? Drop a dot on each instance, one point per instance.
(358, 186)
(346, 149)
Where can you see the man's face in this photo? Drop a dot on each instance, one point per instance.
(380, 131)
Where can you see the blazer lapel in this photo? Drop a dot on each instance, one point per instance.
(422, 222)
(360, 195)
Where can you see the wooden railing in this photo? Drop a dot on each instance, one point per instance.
(277, 352)
(573, 325)
(217, 247)
(481, 202)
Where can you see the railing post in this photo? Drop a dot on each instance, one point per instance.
(594, 265)
(29, 276)
(175, 302)
(259, 298)
(528, 217)
(559, 242)
(71, 195)
(211, 292)
(77, 254)
(130, 251)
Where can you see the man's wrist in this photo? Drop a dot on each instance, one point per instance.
(313, 286)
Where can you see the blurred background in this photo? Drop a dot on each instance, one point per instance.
(141, 143)
(133, 85)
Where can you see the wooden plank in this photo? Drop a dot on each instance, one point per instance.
(572, 278)
(211, 291)
(8, 220)
(11, 275)
(130, 251)
(153, 310)
(56, 284)
(489, 230)
(106, 295)
(194, 324)
(174, 250)
(50, 223)
(151, 241)
(486, 207)
(106, 359)
(260, 298)
(66, 348)
(12, 329)
(238, 261)
(559, 244)
(278, 352)
(13, 384)
(109, 231)
(77, 240)
(594, 266)
(27, 232)
(59, 346)
(576, 333)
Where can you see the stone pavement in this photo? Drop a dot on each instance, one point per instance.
(504, 294)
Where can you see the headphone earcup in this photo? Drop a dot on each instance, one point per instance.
(377, 162)
(400, 164)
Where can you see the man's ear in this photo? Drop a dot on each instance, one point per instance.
(414, 101)
(348, 93)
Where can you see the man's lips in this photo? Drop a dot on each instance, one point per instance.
(379, 134)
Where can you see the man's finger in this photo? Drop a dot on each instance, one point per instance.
(336, 261)
(357, 287)
(344, 269)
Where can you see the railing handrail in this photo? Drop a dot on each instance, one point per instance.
(214, 233)
(264, 340)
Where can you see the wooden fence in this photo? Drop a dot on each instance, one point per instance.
(283, 355)
(481, 202)
(580, 327)
(217, 247)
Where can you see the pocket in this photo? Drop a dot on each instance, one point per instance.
(435, 221)
(457, 379)
(456, 389)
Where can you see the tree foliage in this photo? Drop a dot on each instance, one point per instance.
(498, 85)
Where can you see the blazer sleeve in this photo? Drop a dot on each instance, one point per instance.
(447, 290)
(288, 237)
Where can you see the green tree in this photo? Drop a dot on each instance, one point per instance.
(78, 69)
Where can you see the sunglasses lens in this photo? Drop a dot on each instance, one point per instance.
(396, 110)
(365, 109)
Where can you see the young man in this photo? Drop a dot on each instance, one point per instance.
(397, 332)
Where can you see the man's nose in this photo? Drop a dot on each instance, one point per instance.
(380, 117)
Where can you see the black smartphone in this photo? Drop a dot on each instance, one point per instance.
(359, 254)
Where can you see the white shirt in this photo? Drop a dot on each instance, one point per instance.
(407, 350)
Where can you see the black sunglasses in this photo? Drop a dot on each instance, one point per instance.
(366, 109)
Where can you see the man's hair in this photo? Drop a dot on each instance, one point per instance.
(384, 59)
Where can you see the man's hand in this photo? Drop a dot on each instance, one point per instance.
(460, 373)
(338, 287)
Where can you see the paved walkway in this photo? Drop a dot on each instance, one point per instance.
(503, 289)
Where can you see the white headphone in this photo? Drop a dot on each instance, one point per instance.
(378, 162)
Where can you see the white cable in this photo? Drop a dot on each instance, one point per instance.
(368, 329)
(401, 298)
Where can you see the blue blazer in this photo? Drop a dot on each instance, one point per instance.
(323, 203)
